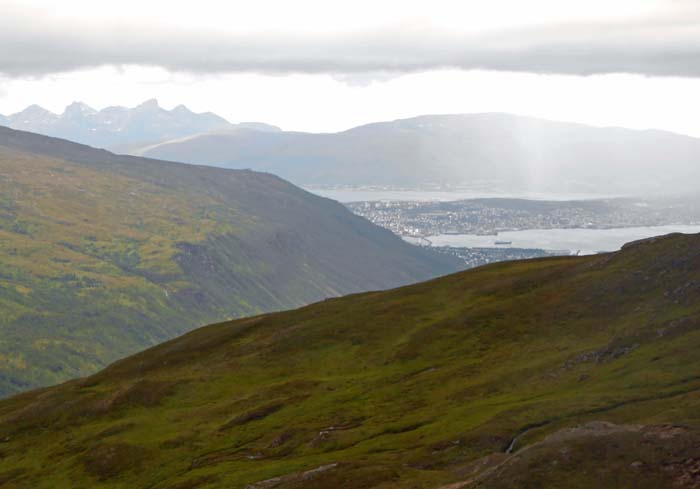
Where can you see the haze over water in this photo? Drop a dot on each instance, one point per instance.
(347, 195)
(587, 241)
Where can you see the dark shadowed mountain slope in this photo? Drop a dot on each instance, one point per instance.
(103, 255)
(500, 151)
(120, 128)
(568, 372)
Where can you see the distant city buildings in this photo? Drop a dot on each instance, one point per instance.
(491, 216)
(420, 220)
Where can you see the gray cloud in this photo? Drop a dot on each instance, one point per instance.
(666, 46)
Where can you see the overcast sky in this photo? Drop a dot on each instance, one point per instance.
(328, 65)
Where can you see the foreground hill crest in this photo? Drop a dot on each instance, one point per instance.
(565, 372)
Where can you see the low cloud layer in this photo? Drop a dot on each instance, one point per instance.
(668, 45)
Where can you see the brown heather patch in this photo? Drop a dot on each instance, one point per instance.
(106, 461)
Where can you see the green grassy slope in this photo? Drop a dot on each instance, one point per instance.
(586, 367)
(102, 255)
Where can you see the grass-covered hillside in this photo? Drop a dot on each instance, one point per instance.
(567, 372)
(103, 255)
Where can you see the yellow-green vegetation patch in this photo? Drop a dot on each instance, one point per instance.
(104, 255)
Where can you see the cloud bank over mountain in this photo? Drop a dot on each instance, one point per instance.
(659, 41)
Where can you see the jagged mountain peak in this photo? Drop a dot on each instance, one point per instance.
(150, 104)
(117, 128)
(79, 108)
(34, 109)
(182, 109)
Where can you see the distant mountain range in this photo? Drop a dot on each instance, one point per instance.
(121, 128)
(557, 373)
(491, 151)
(495, 151)
(102, 255)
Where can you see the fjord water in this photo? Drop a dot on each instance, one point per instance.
(586, 241)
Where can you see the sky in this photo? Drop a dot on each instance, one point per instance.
(329, 65)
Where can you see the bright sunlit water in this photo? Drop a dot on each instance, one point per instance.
(588, 241)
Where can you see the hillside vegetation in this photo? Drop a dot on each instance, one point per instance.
(101, 256)
(567, 372)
